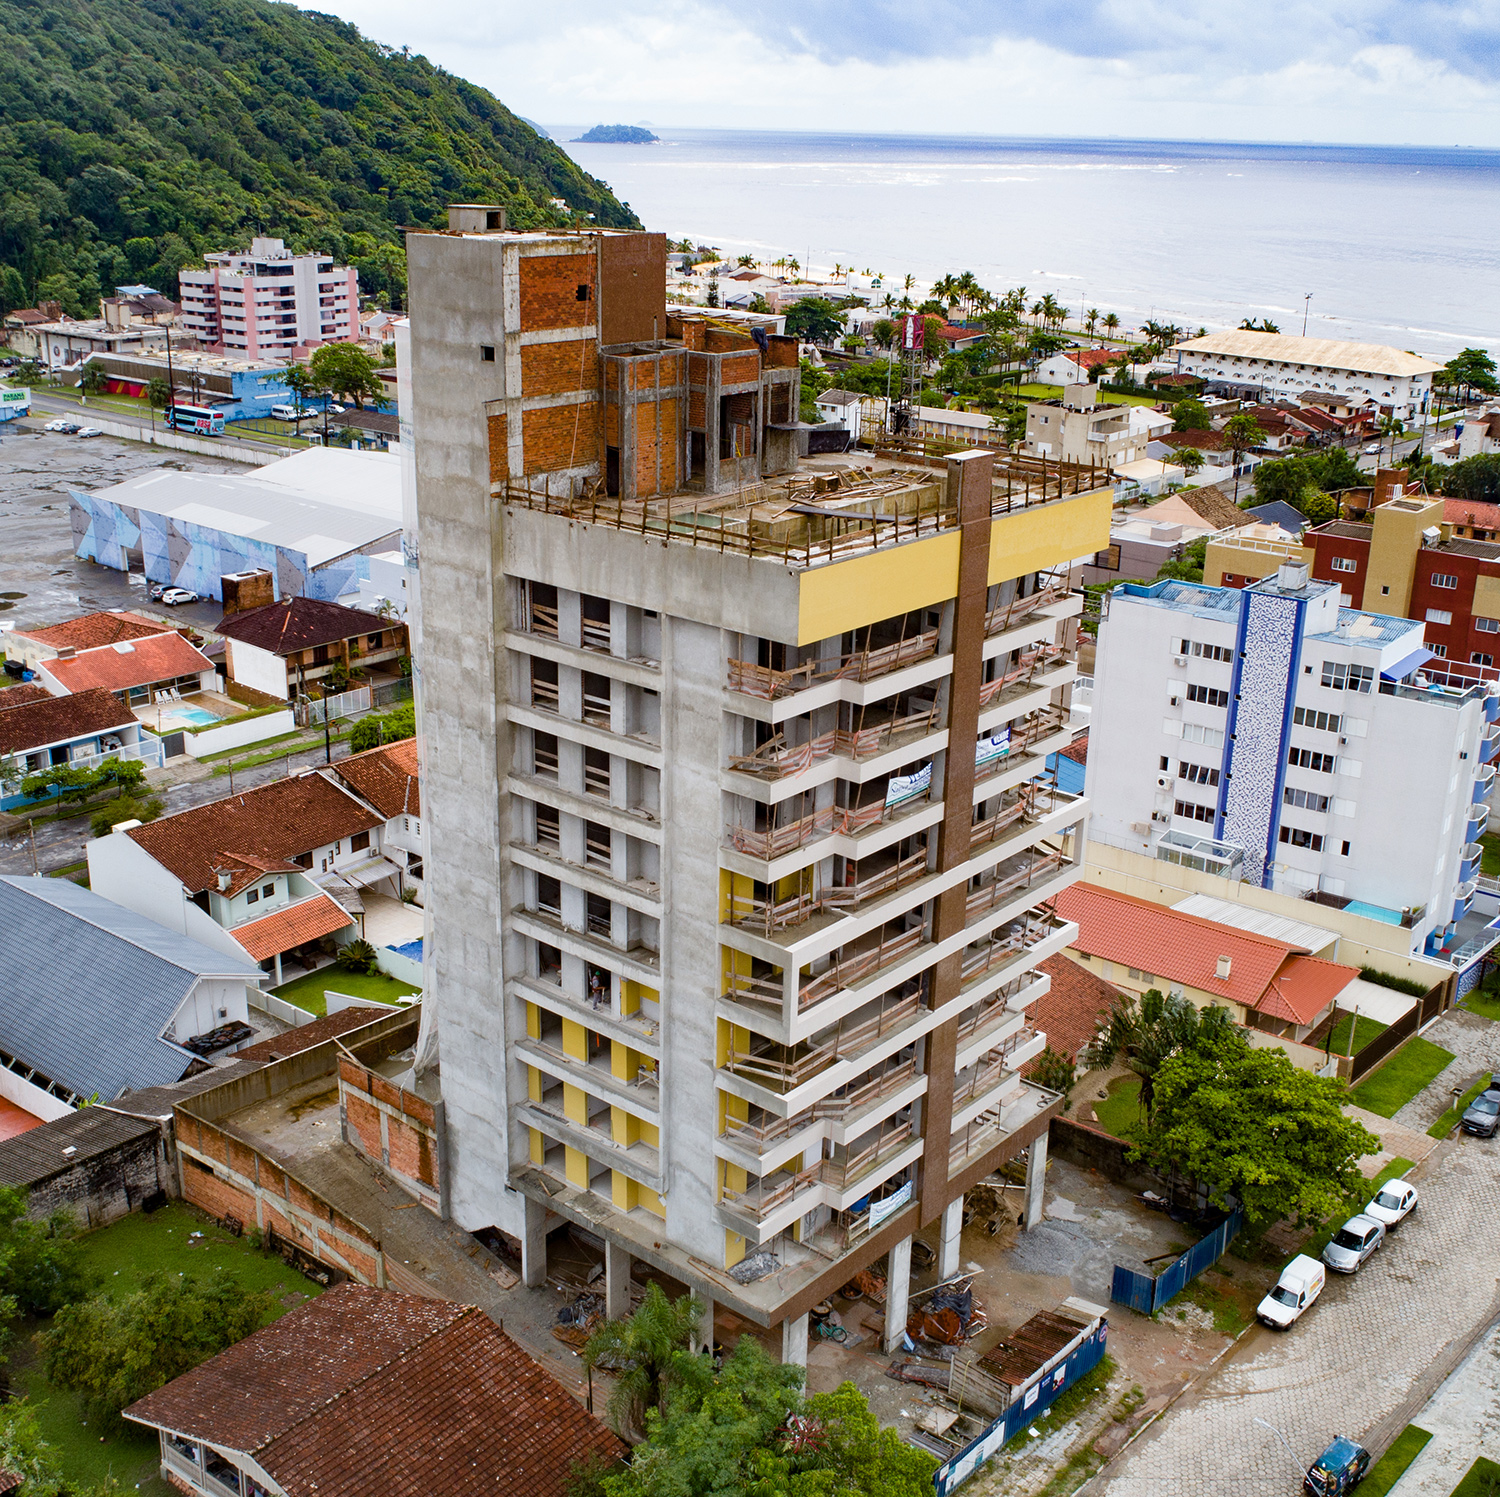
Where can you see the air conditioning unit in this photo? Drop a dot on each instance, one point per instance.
(1174, 701)
(1164, 782)
(1179, 660)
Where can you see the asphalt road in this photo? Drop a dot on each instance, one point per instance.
(49, 403)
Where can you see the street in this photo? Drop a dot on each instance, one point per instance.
(1364, 1359)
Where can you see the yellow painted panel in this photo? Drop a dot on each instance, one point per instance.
(533, 1021)
(577, 1168)
(538, 1146)
(576, 1105)
(649, 1134)
(651, 1201)
(1034, 540)
(731, 1106)
(1257, 560)
(533, 1083)
(734, 1248)
(632, 993)
(1487, 597)
(622, 1061)
(850, 594)
(736, 884)
(575, 1040)
(624, 1128)
(622, 1191)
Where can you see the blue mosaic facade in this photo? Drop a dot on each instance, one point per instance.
(1268, 656)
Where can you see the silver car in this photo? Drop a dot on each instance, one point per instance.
(1353, 1243)
(1393, 1203)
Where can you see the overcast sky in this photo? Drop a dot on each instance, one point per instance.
(1380, 71)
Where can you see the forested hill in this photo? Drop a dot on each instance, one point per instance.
(135, 134)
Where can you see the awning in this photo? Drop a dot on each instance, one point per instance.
(1399, 670)
(365, 874)
(293, 926)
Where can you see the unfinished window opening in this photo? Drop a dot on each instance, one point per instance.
(542, 609)
(596, 773)
(548, 962)
(544, 685)
(612, 471)
(544, 755)
(600, 917)
(594, 622)
(598, 982)
(487, 353)
(697, 453)
(596, 695)
(583, 292)
(737, 435)
(596, 845)
(548, 827)
(549, 896)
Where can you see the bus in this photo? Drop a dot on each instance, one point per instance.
(202, 419)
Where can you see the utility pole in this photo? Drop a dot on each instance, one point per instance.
(1306, 306)
(36, 872)
(1301, 1469)
(171, 386)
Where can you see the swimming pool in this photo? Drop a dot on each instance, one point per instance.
(193, 716)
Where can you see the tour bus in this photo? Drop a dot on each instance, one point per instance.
(202, 419)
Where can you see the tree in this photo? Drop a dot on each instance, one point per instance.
(373, 729)
(24, 1453)
(1091, 321)
(91, 379)
(115, 1353)
(1189, 459)
(1265, 325)
(158, 394)
(712, 297)
(1143, 1032)
(1190, 415)
(814, 320)
(647, 1353)
(346, 369)
(1111, 323)
(303, 384)
(1241, 433)
(125, 808)
(1305, 479)
(883, 332)
(1472, 370)
(1250, 1126)
(746, 262)
(1392, 427)
(933, 308)
(1476, 479)
(750, 1429)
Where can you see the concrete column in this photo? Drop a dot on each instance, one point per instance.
(794, 1340)
(1036, 1180)
(534, 1245)
(897, 1290)
(705, 1336)
(616, 1281)
(953, 1226)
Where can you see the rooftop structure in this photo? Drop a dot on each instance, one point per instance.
(87, 632)
(1076, 429)
(98, 998)
(270, 300)
(768, 742)
(1274, 365)
(283, 648)
(312, 520)
(1267, 734)
(39, 723)
(364, 1390)
(385, 777)
(132, 669)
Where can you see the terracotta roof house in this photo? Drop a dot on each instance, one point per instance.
(389, 779)
(87, 632)
(363, 1390)
(286, 647)
(27, 691)
(1475, 522)
(82, 730)
(1071, 1009)
(1268, 985)
(245, 869)
(135, 670)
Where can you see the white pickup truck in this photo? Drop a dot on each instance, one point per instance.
(1301, 1282)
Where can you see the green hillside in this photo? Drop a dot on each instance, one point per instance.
(135, 134)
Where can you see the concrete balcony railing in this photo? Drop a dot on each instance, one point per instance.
(846, 969)
(985, 956)
(771, 1193)
(990, 1068)
(770, 916)
(858, 665)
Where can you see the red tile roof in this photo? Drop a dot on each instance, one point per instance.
(387, 777)
(291, 927)
(300, 623)
(1078, 750)
(1279, 979)
(27, 691)
(363, 1390)
(1071, 1010)
(36, 724)
(305, 1036)
(1467, 512)
(91, 630)
(137, 662)
(1092, 358)
(275, 821)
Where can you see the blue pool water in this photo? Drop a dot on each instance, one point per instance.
(1373, 912)
(194, 715)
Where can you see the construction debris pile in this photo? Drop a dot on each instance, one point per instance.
(949, 1315)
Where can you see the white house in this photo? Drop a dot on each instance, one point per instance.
(1078, 430)
(388, 780)
(1270, 366)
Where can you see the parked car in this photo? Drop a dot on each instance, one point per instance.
(1373, 450)
(1339, 1469)
(67, 428)
(1482, 1115)
(1393, 1203)
(1301, 1282)
(175, 595)
(1353, 1243)
(89, 431)
(290, 412)
(156, 589)
(338, 410)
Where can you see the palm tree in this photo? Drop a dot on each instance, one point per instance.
(945, 290)
(1091, 321)
(1053, 311)
(1147, 1031)
(1111, 323)
(1392, 427)
(640, 1352)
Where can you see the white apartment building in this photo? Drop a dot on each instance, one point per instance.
(268, 302)
(1076, 429)
(1273, 366)
(741, 847)
(1271, 736)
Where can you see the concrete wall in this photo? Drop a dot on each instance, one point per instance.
(108, 1186)
(394, 1129)
(230, 448)
(258, 669)
(31, 1098)
(238, 732)
(200, 1010)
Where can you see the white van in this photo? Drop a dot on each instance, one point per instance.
(289, 412)
(1301, 1282)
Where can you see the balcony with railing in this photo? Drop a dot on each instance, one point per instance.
(750, 679)
(595, 1138)
(1019, 751)
(866, 881)
(987, 1129)
(878, 804)
(1010, 878)
(1014, 946)
(1051, 590)
(1031, 669)
(868, 735)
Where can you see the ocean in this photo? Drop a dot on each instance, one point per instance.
(1397, 245)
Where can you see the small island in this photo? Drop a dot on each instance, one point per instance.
(616, 135)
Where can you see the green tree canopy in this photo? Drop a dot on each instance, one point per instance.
(1248, 1124)
(1189, 459)
(135, 137)
(1190, 415)
(814, 320)
(115, 1353)
(376, 728)
(1305, 479)
(1472, 370)
(346, 369)
(648, 1354)
(1476, 479)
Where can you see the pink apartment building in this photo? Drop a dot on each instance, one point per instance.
(269, 302)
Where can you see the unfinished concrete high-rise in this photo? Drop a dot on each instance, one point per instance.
(741, 846)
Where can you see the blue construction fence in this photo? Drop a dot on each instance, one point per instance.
(1139, 1291)
(1031, 1403)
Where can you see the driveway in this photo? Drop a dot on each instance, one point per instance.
(1361, 1362)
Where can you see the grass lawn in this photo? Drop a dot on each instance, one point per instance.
(1479, 1480)
(1363, 1034)
(1449, 1120)
(308, 992)
(1120, 1112)
(119, 1256)
(1482, 1001)
(1489, 858)
(1395, 1083)
(1385, 1473)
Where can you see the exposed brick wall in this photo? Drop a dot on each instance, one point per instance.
(564, 436)
(552, 368)
(549, 291)
(646, 456)
(394, 1129)
(499, 448)
(250, 696)
(740, 369)
(696, 409)
(721, 340)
